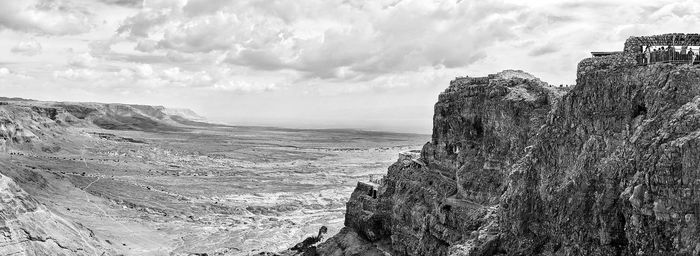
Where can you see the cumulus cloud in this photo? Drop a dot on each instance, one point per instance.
(29, 47)
(55, 17)
(4, 71)
(327, 39)
(100, 47)
(188, 79)
(77, 74)
(7, 73)
(153, 14)
(127, 3)
(199, 7)
(243, 86)
(82, 60)
(146, 45)
(144, 71)
(544, 49)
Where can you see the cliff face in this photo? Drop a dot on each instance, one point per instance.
(516, 167)
(102, 115)
(616, 169)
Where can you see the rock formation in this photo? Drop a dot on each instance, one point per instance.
(517, 167)
(29, 228)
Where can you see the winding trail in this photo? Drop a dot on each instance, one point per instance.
(453, 199)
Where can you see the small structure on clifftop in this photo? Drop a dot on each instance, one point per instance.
(369, 188)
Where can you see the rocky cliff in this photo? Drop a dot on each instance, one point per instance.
(610, 166)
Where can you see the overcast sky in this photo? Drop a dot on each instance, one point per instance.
(371, 64)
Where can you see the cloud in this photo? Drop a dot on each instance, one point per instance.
(54, 17)
(544, 49)
(199, 7)
(101, 47)
(4, 71)
(29, 47)
(153, 14)
(83, 60)
(7, 73)
(327, 39)
(77, 74)
(126, 3)
(138, 26)
(188, 79)
(340, 42)
(146, 45)
(144, 71)
(243, 86)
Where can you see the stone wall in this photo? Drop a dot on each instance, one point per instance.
(606, 62)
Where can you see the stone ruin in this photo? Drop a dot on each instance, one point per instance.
(369, 188)
(411, 156)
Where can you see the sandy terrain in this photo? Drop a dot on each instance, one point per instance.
(215, 190)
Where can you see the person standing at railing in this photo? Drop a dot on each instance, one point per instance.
(663, 54)
(671, 51)
(654, 55)
(647, 55)
(692, 56)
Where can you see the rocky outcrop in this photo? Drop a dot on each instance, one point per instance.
(517, 167)
(28, 228)
(446, 199)
(21, 126)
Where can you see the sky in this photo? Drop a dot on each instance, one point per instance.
(374, 64)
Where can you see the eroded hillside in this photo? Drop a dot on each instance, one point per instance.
(29, 228)
(112, 179)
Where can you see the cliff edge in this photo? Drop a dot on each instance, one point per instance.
(610, 166)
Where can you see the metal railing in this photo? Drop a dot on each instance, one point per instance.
(673, 57)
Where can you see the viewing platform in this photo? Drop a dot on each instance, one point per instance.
(675, 48)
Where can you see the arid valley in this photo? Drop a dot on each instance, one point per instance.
(349, 128)
(165, 185)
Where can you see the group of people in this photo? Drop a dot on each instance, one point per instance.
(669, 54)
